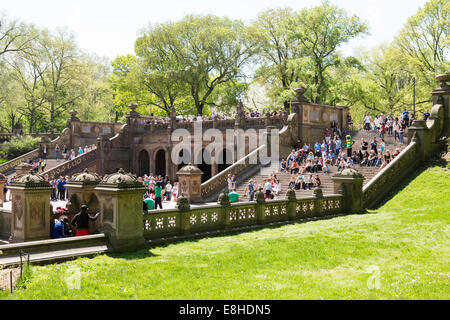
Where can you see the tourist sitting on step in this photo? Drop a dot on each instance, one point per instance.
(292, 182)
(326, 166)
(379, 159)
(310, 181)
(300, 182)
(372, 159)
(267, 189)
(365, 158)
(386, 159)
(283, 166)
(295, 167)
(317, 181)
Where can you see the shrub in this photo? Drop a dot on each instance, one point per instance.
(18, 146)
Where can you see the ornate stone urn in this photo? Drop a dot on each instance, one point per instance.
(190, 182)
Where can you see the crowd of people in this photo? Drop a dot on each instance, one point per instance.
(214, 115)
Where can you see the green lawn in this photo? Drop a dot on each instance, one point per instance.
(400, 251)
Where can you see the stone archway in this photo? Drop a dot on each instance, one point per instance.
(143, 163)
(160, 162)
(202, 163)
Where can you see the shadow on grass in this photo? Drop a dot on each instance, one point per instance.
(196, 237)
(138, 254)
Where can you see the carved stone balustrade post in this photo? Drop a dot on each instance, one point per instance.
(260, 204)
(31, 210)
(120, 196)
(318, 201)
(292, 198)
(350, 182)
(184, 207)
(441, 95)
(225, 205)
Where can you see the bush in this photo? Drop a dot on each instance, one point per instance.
(18, 146)
(3, 160)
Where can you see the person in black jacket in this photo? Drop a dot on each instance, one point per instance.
(81, 221)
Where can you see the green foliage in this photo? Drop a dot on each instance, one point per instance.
(3, 160)
(18, 145)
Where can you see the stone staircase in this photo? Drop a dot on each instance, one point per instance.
(326, 178)
(51, 163)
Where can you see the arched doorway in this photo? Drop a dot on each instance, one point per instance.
(160, 163)
(144, 163)
(202, 165)
(183, 163)
(225, 155)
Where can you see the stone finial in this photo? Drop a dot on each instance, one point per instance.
(224, 200)
(85, 178)
(183, 203)
(300, 95)
(3, 177)
(73, 115)
(443, 78)
(121, 180)
(318, 192)
(350, 173)
(190, 169)
(31, 180)
(290, 195)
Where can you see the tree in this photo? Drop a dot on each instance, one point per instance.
(14, 36)
(201, 52)
(277, 50)
(321, 31)
(61, 74)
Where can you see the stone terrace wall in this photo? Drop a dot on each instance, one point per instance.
(170, 223)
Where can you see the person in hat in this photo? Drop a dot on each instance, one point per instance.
(81, 221)
(61, 229)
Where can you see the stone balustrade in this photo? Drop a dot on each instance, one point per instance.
(169, 223)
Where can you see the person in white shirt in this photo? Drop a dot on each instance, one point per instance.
(168, 191)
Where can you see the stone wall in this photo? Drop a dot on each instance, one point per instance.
(5, 223)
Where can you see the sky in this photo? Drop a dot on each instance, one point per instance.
(109, 28)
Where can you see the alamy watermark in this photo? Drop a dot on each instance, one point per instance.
(238, 143)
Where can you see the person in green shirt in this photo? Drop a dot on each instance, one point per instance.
(234, 196)
(349, 145)
(149, 202)
(158, 192)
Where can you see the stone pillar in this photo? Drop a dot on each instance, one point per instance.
(420, 130)
(3, 181)
(44, 145)
(81, 189)
(23, 168)
(103, 147)
(225, 204)
(297, 107)
(260, 204)
(184, 207)
(31, 211)
(190, 183)
(120, 196)
(441, 95)
(72, 123)
(292, 198)
(350, 182)
(318, 202)
(131, 118)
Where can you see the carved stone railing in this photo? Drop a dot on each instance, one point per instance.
(163, 224)
(72, 166)
(385, 180)
(219, 181)
(10, 165)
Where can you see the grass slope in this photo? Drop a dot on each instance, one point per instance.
(400, 251)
